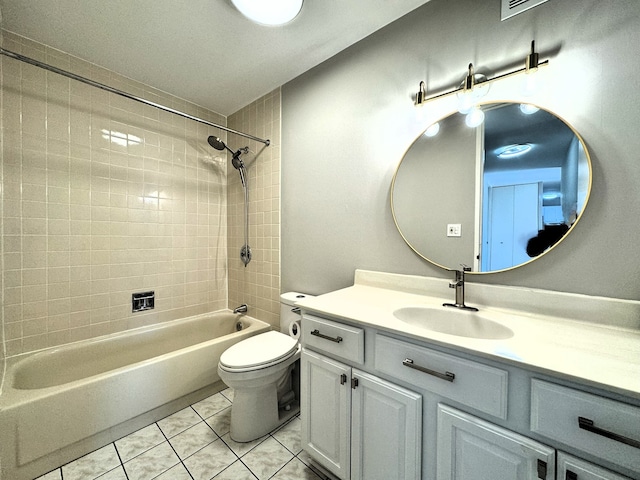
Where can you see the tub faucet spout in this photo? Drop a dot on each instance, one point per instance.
(241, 309)
(458, 284)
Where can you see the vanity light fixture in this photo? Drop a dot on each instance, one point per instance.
(422, 94)
(472, 81)
(269, 12)
(472, 90)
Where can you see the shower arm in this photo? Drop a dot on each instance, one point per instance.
(107, 88)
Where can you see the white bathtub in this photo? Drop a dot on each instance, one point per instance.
(63, 402)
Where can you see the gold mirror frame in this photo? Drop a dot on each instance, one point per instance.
(412, 239)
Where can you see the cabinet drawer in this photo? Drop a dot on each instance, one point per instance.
(602, 427)
(333, 338)
(469, 383)
(572, 468)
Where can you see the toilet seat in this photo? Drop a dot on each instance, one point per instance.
(258, 352)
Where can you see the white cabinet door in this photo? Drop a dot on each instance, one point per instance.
(572, 468)
(386, 431)
(469, 448)
(325, 391)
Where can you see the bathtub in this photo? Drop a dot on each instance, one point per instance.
(61, 403)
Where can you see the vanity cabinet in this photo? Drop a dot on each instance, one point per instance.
(354, 424)
(397, 407)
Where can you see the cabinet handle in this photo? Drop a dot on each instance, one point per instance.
(587, 424)
(571, 475)
(542, 469)
(448, 376)
(343, 379)
(316, 333)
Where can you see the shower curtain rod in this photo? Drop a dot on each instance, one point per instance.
(73, 76)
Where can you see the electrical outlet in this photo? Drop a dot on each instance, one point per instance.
(454, 230)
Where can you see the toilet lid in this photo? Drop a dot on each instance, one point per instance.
(258, 350)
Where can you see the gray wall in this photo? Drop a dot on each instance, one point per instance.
(347, 123)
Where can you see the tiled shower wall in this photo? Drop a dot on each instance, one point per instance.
(257, 284)
(103, 197)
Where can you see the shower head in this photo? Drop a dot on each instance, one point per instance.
(236, 161)
(216, 143)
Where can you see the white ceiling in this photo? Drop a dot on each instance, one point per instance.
(203, 51)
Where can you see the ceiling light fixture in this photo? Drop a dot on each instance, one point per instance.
(269, 12)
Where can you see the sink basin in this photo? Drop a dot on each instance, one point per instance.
(452, 321)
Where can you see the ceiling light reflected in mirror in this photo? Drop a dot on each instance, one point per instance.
(511, 151)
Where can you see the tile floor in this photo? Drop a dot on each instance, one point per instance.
(194, 444)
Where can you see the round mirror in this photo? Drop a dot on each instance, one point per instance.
(495, 195)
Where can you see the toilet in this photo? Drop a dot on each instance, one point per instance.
(264, 373)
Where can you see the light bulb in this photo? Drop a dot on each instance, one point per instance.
(474, 118)
(531, 84)
(528, 109)
(432, 130)
(466, 101)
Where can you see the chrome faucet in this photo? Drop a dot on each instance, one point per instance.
(241, 309)
(458, 284)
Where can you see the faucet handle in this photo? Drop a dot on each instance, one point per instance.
(465, 268)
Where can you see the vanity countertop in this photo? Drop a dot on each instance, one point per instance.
(603, 355)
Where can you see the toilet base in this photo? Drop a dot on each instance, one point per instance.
(265, 402)
(255, 413)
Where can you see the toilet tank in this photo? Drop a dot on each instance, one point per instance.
(287, 304)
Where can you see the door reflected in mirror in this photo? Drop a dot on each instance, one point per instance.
(495, 196)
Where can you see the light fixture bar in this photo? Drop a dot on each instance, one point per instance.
(531, 65)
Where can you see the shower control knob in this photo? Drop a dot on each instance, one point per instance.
(245, 254)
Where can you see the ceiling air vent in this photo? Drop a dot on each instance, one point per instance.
(514, 7)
